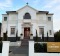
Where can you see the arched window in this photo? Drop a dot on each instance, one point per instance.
(27, 16)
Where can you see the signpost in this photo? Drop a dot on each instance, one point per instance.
(53, 46)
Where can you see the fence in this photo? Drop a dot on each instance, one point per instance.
(32, 53)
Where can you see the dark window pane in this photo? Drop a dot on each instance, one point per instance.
(5, 18)
(50, 32)
(41, 30)
(49, 18)
(12, 30)
(27, 16)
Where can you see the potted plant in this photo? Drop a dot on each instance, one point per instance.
(31, 34)
(21, 34)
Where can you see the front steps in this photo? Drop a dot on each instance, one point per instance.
(21, 50)
(11, 54)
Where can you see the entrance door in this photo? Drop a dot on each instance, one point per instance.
(26, 32)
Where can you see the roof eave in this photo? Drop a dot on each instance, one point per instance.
(10, 12)
(50, 14)
(42, 12)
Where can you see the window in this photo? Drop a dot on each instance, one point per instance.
(5, 18)
(49, 18)
(27, 16)
(41, 30)
(12, 31)
(50, 32)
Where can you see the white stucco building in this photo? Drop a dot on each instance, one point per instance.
(26, 21)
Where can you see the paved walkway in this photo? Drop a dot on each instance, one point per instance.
(21, 50)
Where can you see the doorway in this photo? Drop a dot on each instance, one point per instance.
(26, 32)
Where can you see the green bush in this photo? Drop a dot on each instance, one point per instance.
(40, 47)
(0, 38)
(57, 36)
(5, 36)
(36, 36)
(45, 47)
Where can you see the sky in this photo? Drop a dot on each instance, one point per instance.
(53, 6)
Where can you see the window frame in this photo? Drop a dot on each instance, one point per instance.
(49, 18)
(5, 18)
(12, 33)
(27, 16)
(50, 31)
(40, 31)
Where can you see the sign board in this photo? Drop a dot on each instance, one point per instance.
(53, 46)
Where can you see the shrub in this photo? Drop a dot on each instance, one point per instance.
(5, 36)
(40, 47)
(36, 36)
(0, 38)
(21, 34)
(31, 34)
(45, 47)
(57, 36)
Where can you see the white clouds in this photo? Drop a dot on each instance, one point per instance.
(36, 2)
(51, 3)
(26, 1)
(54, 6)
(56, 23)
(5, 4)
(33, 2)
(57, 8)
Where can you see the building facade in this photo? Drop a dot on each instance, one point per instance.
(25, 21)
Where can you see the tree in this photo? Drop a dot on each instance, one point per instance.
(57, 36)
(43, 36)
(47, 36)
(5, 36)
(36, 36)
(16, 35)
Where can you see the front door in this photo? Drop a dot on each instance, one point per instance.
(26, 32)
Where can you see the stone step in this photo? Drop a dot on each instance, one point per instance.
(21, 51)
(11, 54)
(24, 42)
(11, 48)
